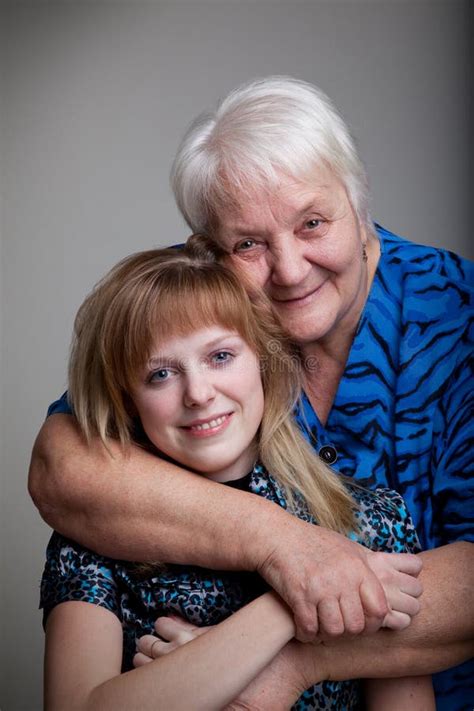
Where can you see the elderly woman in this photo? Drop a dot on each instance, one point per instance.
(383, 326)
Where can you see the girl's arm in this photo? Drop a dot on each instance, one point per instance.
(84, 654)
(267, 690)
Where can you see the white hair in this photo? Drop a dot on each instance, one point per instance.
(263, 130)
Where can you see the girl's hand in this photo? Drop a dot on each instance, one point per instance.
(276, 688)
(398, 575)
(173, 631)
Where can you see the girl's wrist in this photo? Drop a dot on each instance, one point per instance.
(280, 613)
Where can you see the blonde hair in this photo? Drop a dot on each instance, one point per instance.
(152, 295)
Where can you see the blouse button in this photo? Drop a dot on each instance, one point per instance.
(328, 454)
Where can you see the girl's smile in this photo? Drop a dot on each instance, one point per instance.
(200, 401)
(209, 427)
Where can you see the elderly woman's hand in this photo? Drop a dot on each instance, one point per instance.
(336, 586)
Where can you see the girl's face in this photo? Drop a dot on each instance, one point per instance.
(200, 401)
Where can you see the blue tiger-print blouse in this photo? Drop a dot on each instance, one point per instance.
(403, 415)
(206, 597)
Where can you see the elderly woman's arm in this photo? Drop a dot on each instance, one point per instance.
(441, 636)
(137, 507)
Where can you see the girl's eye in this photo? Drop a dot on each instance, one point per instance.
(159, 376)
(222, 357)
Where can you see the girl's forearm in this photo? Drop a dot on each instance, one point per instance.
(208, 672)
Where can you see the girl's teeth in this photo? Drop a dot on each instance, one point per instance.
(209, 425)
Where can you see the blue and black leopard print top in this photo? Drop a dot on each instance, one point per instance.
(206, 597)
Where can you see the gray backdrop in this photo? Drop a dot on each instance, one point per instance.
(95, 97)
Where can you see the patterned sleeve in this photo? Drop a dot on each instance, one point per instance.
(453, 459)
(74, 573)
(384, 522)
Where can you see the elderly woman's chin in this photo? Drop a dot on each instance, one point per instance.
(331, 309)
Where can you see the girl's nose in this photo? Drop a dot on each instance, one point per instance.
(199, 389)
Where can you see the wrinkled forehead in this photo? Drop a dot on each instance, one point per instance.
(251, 208)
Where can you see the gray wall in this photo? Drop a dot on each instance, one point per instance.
(95, 97)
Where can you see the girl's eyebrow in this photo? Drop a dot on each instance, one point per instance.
(162, 358)
(158, 360)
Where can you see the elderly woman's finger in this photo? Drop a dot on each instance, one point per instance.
(352, 613)
(306, 621)
(331, 621)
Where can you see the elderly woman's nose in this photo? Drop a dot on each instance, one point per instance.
(288, 266)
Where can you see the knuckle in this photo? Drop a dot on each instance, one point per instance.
(417, 588)
(372, 625)
(381, 607)
(301, 636)
(160, 623)
(145, 643)
(397, 621)
(136, 660)
(306, 628)
(310, 628)
(333, 629)
(356, 625)
(414, 607)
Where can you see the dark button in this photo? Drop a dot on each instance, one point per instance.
(328, 454)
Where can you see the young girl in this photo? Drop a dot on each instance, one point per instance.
(169, 350)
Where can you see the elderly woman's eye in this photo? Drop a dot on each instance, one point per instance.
(314, 223)
(244, 245)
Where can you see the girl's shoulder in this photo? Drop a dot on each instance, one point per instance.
(73, 572)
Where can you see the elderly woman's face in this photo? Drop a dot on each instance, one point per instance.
(304, 246)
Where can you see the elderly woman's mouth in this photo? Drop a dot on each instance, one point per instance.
(297, 300)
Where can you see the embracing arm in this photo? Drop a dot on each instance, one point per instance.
(138, 507)
(135, 506)
(441, 636)
(84, 650)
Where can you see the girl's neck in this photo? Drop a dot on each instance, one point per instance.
(237, 470)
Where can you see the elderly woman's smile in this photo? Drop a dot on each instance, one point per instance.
(304, 246)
